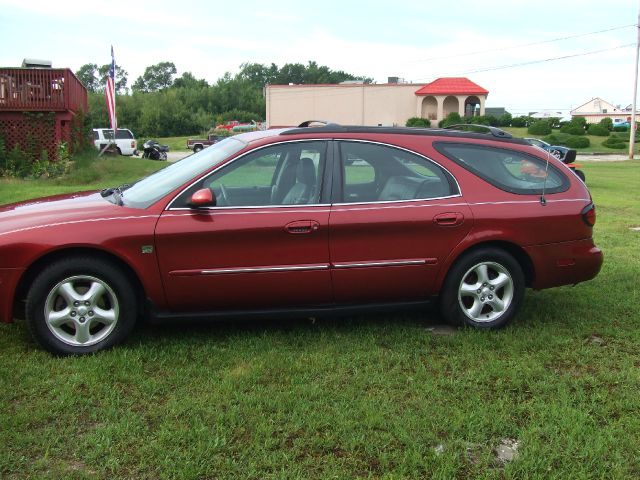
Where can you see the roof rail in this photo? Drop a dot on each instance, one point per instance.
(307, 123)
(475, 128)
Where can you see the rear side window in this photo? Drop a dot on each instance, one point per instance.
(508, 170)
(379, 173)
(124, 134)
(120, 134)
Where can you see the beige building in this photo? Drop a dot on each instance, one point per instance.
(390, 104)
(596, 109)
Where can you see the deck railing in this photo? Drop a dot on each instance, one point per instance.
(41, 89)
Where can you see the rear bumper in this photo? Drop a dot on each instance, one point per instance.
(8, 281)
(564, 263)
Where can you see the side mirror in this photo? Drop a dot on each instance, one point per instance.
(203, 198)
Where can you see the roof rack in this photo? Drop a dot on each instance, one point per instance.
(465, 132)
(307, 123)
(475, 128)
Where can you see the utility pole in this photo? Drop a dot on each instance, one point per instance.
(632, 127)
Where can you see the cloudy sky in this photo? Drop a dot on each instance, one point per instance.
(418, 40)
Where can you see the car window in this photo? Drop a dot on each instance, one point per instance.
(375, 173)
(283, 174)
(509, 170)
(124, 134)
(96, 135)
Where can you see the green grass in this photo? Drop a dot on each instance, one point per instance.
(176, 144)
(358, 397)
(89, 173)
(595, 147)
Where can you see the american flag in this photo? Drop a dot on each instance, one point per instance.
(110, 93)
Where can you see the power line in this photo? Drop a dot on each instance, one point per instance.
(501, 49)
(513, 65)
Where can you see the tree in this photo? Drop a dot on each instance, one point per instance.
(95, 79)
(121, 77)
(187, 80)
(87, 74)
(156, 77)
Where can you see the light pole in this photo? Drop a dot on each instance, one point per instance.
(632, 127)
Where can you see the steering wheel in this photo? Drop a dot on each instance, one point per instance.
(224, 194)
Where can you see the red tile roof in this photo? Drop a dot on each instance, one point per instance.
(452, 86)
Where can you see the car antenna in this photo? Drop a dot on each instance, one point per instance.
(543, 201)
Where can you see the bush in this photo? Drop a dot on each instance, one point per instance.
(598, 130)
(620, 129)
(552, 139)
(606, 123)
(489, 120)
(505, 120)
(541, 127)
(614, 143)
(579, 121)
(554, 122)
(418, 122)
(577, 142)
(453, 118)
(521, 121)
(572, 129)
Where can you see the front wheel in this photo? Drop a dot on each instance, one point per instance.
(483, 289)
(80, 305)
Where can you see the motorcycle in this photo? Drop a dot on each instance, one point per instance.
(153, 150)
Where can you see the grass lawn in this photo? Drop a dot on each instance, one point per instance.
(358, 397)
(176, 144)
(595, 147)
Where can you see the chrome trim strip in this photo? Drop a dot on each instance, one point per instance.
(399, 201)
(177, 209)
(218, 271)
(169, 206)
(191, 213)
(393, 263)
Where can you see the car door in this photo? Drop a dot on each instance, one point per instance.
(396, 217)
(264, 244)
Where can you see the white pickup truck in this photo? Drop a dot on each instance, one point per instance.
(125, 141)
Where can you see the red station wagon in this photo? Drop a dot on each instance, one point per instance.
(303, 221)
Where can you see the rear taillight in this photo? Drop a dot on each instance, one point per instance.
(589, 214)
(133, 144)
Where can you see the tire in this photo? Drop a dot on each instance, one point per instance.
(558, 154)
(78, 328)
(119, 151)
(580, 175)
(197, 148)
(490, 302)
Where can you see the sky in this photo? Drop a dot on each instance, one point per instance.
(415, 40)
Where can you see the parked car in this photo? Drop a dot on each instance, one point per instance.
(557, 151)
(197, 144)
(564, 154)
(305, 222)
(125, 141)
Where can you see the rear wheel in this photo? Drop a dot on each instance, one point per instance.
(80, 305)
(580, 175)
(197, 148)
(483, 289)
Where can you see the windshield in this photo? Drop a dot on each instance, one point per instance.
(150, 189)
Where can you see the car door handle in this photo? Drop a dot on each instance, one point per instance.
(301, 226)
(449, 219)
